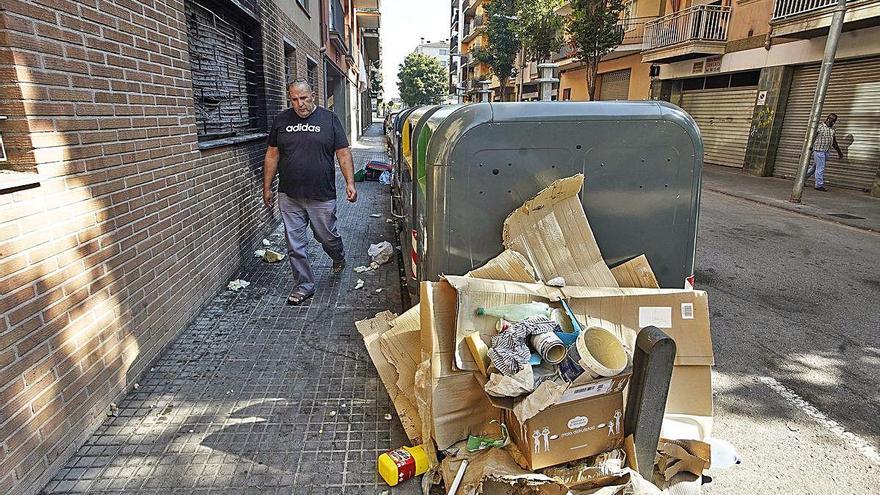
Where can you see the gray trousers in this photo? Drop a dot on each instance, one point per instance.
(297, 215)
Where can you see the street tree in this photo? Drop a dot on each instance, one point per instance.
(594, 30)
(503, 44)
(539, 30)
(421, 80)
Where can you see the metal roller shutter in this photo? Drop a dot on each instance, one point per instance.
(615, 85)
(854, 95)
(725, 118)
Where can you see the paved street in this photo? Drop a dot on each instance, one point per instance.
(794, 304)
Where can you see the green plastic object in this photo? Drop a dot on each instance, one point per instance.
(479, 442)
(360, 175)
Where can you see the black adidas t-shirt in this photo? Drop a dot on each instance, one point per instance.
(307, 146)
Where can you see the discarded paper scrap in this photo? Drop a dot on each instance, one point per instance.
(237, 284)
(270, 256)
(494, 472)
(551, 230)
(676, 456)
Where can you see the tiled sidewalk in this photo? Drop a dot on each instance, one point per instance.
(260, 397)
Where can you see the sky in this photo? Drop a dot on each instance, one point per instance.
(403, 23)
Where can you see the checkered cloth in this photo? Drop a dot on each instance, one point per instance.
(824, 138)
(510, 351)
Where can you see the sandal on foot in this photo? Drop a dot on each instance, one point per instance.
(297, 297)
(338, 266)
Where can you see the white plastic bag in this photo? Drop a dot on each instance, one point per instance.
(381, 253)
(385, 178)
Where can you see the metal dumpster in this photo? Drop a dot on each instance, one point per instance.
(420, 197)
(396, 144)
(415, 121)
(642, 162)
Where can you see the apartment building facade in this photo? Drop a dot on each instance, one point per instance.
(350, 43)
(438, 50)
(746, 70)
(130, 179)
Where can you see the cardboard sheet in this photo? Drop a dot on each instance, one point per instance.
(689, 405)
(509, 265)
(372, 330)
(551, 230)
(636, 272)
(487, 293)
(458, 404)
(400, 346)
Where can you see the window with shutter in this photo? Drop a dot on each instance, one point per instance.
(224, 50)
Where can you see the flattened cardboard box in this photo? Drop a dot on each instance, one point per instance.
(374, 330)
(683, 314)
(459, 406)
(586, 420)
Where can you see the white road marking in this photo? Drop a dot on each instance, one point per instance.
(849, 438)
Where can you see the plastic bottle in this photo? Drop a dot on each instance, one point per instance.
(516, 312)
(402, 464)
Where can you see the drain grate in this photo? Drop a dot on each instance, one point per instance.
(846, 216)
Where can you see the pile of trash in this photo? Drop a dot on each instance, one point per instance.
(505, 383)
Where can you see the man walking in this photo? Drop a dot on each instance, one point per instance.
(302, 143)
(824, 140)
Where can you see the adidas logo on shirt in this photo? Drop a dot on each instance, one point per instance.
(303, 128)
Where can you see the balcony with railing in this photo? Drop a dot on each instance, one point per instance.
(473, 28)
(337, 26)
(811, 18)
(632, 40)
(689, 33)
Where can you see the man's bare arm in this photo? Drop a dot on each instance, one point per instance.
(270, 168)
(836, 147)
(346, 165)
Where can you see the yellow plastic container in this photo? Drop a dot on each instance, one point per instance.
(402, 464)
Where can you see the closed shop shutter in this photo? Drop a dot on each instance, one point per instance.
(725, 118)
(854, 95)
(615, 85)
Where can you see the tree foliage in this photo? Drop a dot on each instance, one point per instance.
(594, 30)
(539, 28)
(503, 44)
(421, 80)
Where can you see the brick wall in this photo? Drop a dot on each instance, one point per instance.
(133, 227)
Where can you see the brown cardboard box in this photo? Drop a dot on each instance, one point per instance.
(569, 431)
(584, 420)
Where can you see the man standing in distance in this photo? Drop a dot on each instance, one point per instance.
(302, 143)
(824, 141)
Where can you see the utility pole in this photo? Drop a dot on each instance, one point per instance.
(819, 98)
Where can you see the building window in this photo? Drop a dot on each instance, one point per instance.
(566, 94)
(289, 66)
(224, 49)
(304, 4)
